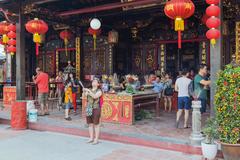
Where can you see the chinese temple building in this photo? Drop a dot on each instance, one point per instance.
(118, 37)
(145, 40)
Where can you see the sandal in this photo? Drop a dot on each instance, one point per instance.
(95, 142)
(187, 127)
(68, 118)
(90, 141)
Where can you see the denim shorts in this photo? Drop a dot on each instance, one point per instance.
(184, 103)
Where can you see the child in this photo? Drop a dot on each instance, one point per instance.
(52, 87)
(68, 99)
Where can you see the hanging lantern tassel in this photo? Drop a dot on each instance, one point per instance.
(179, 26)
(5, 39)
(37, 40)
(179, 40)
(37, 49)
(213, 42)
(213, 34)
(66, 45)
(12, 54)
(94, 41)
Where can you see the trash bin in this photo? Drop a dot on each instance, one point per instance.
(19, 115)
(30, 105)
(32, 115)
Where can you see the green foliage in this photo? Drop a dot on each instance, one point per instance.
(130, 89)
(210, 130)
(227, 103)
(143, 114)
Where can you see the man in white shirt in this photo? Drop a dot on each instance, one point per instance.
(184, 101)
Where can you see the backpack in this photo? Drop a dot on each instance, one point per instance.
(191, 89)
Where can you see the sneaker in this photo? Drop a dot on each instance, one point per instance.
(68, 118)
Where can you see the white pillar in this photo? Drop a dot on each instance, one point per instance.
(196, 136)
(8, 67)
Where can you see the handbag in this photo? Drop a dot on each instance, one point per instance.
(168, 91)
(89, 110)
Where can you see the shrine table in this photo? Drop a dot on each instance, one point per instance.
(120, 108)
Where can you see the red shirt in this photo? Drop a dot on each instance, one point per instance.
(42, 82)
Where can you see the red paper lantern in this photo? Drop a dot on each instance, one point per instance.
(94, 33)
(11, 34)
(36, 27)
(179, 10)
(3, 28)
(12, 42)
(213, 34)
(3, 31)
(12, 27)
(11, 49)
(213, 11)
(66, 36)
(216, 2)
(213, 22)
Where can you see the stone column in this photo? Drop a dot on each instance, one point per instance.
(215, 64)
(196, 136)
(20, 55)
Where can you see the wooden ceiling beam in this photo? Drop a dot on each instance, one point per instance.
(108, 7)
(38, 1)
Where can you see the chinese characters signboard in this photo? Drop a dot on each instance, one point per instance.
(9, 95)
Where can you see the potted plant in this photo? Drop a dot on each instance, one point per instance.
(209, 147)
(132, 84)
(227, 103)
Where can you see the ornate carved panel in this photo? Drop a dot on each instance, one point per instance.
(137, 60)
(144, 58)
(50, 64)
(95, 60)
(150, 58)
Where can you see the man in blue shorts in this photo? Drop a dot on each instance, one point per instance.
(184, 102)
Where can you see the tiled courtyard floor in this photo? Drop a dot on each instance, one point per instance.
(34, 145)
(163, 126)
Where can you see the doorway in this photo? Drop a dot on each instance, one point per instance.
(185, 58)
(64, 58)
